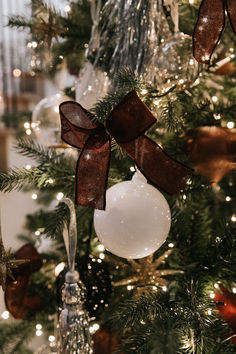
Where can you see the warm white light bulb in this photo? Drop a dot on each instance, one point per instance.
(26, 125)
(212, 295)
(34, 196)
(171, 245)
(51, 338)
(28, 131)
(60, 195)
(101, 248)
(230, 125)
(214, 99)
(164, 288)
(5, 315)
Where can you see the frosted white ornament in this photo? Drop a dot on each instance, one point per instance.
(136, 221)
(46, 122)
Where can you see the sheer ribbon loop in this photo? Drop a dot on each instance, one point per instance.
(127, 124)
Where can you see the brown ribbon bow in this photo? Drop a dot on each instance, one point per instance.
(126, 124)
(210, 25)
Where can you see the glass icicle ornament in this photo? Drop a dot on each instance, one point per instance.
(73, 329)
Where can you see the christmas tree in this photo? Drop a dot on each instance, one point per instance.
(146, 276)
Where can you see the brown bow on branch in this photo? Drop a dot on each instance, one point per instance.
(127, 124)
(210, 25)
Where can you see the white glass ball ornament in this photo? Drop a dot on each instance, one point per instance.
(46, 122)
(136, 221)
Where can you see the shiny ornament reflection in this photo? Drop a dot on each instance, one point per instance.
(136, 221)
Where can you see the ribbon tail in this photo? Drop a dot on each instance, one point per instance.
(231, 10)
(208, 29)
(92, 172)
(159, 168)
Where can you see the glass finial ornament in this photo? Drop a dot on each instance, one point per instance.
(73, 328)
(136, 221)
(46, 122)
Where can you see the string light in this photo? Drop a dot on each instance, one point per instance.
(67, 8)
(144, 91)
(212, 295)
(34, 44)
(26, 125)
(171, 245)
(50, 180)
(129, 287)
(101, 248)
(164, 288)
(60, 195)
(191, 61)
(209, 312)
(233, 218)
(132, 169)
(34, 196)
(156, 102)
(5, 315)
(94, 328)
(214, 99)
(16, 73)
(228, 199)
(217, 116)
(154, 287)
(39, 333)
(230, 125)
(216, 286)
(234, 290)
(102, 255)
(59, 268)
(28, 167)
(51, 338)
(191, 1)
(39, 326)
(28, 131)
(37, 233)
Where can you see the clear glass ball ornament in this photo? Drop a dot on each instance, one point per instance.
(172, 62)
(92, 85)
(46, 122)
(136, 221)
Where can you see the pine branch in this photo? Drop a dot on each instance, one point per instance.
(36, 151)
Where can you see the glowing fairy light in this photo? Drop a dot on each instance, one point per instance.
(230, 125)
(5, 315)
(28, 131)
(102, 255)
(164, 288)
(171, 245)
(214, 99)
(34, 196)
(60, 195)
(212, 295)
(26, 125)
(228, 199)
(101, 248)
